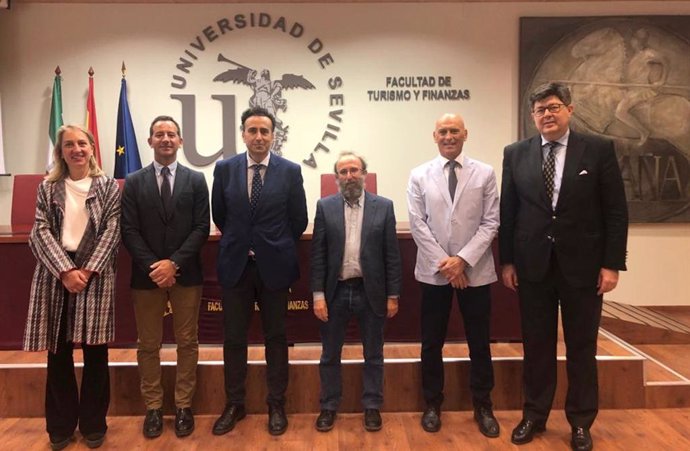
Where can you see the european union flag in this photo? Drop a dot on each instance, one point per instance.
(126, 150)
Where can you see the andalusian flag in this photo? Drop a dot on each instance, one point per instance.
(55, 116)
(91, 124)
(126, 150)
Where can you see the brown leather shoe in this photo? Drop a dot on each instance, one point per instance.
(227, 420)
(525, 431)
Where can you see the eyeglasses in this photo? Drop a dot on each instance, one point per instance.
(354, 171)
(553, 108)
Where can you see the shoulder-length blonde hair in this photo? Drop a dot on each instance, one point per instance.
(60, 170)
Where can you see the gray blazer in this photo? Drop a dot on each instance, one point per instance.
(465, 227)
(379, 250)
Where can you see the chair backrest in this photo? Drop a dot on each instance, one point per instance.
(24, 198)
(329, 186)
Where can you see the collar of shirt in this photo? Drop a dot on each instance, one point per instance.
(563, 140)
(158, 167)
(460, 160)
(358, 203)
(265, 161)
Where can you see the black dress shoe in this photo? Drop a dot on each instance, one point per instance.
(230, 416)
(431, 419)
(277, 421)
(372, 420)
(184, 422)
(95, 439)
(153, 423)
(525, 430)
(57, 442)
(486, 420)
(582, 440)
(325, 421)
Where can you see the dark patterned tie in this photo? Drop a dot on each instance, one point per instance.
(549, 169)
(257, 184)
(166, 192)
(452, 179)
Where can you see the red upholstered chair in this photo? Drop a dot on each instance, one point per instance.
(24, 198)
(328, 184)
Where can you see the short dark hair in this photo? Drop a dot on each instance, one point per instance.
(164, 119)
(547, 90)
(349, 153)
(257, 111)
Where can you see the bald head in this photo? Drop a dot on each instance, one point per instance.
(450, 135)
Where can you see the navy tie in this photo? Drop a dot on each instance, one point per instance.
(257, 184)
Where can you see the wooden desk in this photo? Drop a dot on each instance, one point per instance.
(17, 264)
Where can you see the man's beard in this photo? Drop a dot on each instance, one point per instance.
(352, 190)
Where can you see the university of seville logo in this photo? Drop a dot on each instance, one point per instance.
(201, 79)
(267, 94)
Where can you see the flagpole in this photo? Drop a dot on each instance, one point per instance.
(55, 116)
(91, 118)
(127, 158)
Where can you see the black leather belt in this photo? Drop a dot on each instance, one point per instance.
(352, 281)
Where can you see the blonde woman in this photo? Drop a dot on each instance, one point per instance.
(75, 239)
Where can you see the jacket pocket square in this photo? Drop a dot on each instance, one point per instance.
(583, 172)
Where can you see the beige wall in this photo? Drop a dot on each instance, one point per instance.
(474, 43)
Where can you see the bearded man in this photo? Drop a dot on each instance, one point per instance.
(356, 271)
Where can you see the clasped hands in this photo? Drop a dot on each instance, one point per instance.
(453, 268)
(163, 273)
(321, 308)
(75, 280)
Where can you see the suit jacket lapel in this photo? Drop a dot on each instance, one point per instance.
(441, 181)
(334, 212)
(369, 213)
(573, 155)
(535, 162)
(465, 176)
(181, 179)
(151, 186)
(238, 175)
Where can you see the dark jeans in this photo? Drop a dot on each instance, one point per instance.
(238, 308)
(350, 299)
(475, 306)
(580, 314)
(65, 405)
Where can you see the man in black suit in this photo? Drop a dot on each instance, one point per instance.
(259, 205)
(563, 234)
(355, 271)
(165, 223)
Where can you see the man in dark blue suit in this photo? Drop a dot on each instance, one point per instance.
(259, 205)
(165, 223)
(355, 271)
(563, 234)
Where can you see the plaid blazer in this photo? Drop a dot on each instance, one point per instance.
(93, 320)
